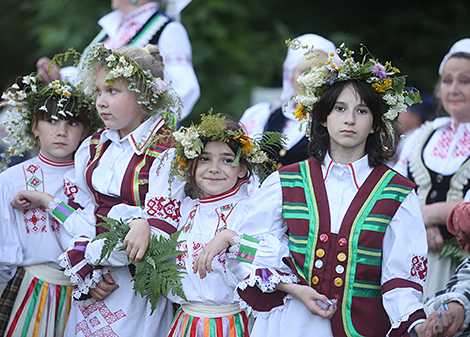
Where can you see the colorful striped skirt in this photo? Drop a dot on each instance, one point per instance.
(202, 321)
(43, 303)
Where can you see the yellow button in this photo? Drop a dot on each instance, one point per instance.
(320, 253)
(315, 280)
(341, 257)
(282, 153)
(338, 282)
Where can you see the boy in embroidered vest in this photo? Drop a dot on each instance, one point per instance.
(355, 231)
(55, 117)
(111, 169)
(215, 158)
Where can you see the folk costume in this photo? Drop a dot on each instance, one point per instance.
(354, 235)
(278, 116)
(435, 157)
(31, 239)
(110, 171)
(148, 24)
(210, 308)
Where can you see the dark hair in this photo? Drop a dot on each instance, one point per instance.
(379, 148)
(232, 125)
(82, 114)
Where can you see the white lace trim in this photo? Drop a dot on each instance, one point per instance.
(421, 174)
(235, 249)
(270, 286)
(82, 285)
(418, 170)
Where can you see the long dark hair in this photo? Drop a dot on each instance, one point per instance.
(379, 147)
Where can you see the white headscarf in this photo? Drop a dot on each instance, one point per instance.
(461, 46)
(295, 56)
(175, 7)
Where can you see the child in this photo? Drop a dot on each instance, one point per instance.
(216, 158)
(354, 226)
(56, 118)
(111, 169)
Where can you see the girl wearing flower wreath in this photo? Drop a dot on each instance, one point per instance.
(111, 173)
(436, 158)
(354, 231)
(55, 118)
(214, 159)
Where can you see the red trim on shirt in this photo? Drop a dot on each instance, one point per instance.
(54, 163)
(227, 194)
(158, 125)
(163, 225)
(328, 170)
(354, 175)
(400, 283)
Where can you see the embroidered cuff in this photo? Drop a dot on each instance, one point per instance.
(247, 248)
(60, 210)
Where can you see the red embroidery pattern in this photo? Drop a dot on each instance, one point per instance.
(70, 190)
(419, 267)
(189, 224)
(55, 225)
(221, 259)
(180, 259)
(463, 146)
(197, 248)
(443, 144)
(32, 168)
(164, 208)
(98, 320)
(34, 182)
(35, 220)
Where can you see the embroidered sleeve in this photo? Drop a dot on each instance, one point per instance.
(245, 248)
(60, 210)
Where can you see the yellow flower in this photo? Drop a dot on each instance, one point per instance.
(299, 113)
(382, 85)
(181, 161)
(245, 141)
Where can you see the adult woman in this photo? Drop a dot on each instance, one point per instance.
(436, 156)
(279, 116)
(139, 23)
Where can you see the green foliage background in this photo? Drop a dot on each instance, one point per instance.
(239, 44)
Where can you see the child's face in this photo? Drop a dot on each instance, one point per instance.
(117, 106)
(214, 172)
(59, 138)
(349, 124)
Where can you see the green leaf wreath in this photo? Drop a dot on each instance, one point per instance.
(154, 274)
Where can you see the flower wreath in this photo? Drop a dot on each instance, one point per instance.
(156, 95)
(22, 104)
(190, 144)
(385, 79)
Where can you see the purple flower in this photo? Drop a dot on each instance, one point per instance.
(379, 71)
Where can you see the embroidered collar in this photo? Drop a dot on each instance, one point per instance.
(53, 163)
(113, 21)
(139, 139)
(240, 187)
(358, 170)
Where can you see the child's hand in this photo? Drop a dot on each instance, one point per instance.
(103, 288)
(138, 239)
(31, 199)
(309, 297)
(222, 241)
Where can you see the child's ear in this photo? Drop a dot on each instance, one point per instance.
(34, 126)
(243, 171)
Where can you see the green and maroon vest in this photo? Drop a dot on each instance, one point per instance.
(346, 266)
